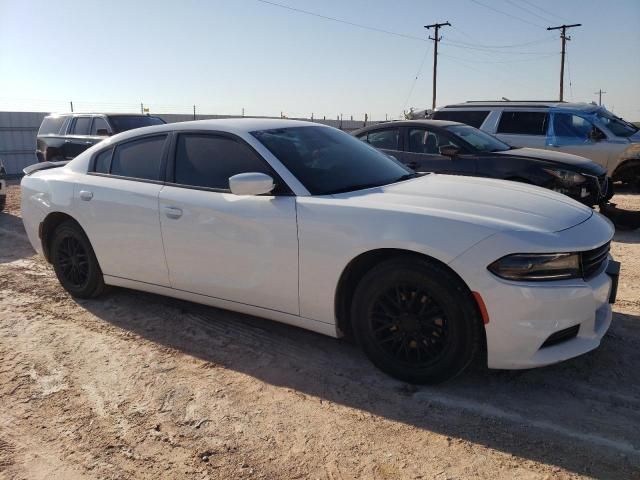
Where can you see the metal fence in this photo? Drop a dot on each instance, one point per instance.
(18, 131)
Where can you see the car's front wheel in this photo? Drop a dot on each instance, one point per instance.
(416, 320)
(74, 261)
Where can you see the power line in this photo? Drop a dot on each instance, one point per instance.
(510, 52)
(339, 20)
(555, 15)
(515, 45)
(413, 84)
(508, 14)
(530, 59)
(530, 11)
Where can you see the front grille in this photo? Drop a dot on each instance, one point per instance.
(561, 336)
(593, 260)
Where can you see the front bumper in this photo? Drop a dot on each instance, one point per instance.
(524, 315)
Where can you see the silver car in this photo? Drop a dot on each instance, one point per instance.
(582, 129)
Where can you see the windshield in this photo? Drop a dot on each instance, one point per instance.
(616, 125)
(329, 161)
(482, 142)
(122, 123)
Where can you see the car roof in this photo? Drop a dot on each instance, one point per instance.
(101, 114)
(237, 126)
(522, 104)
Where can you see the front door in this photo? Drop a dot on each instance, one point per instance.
(422, 149)
(238, 248)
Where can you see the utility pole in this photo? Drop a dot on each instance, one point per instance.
(599, 93)
(564, 37)
(71, 104)
(435, 39)
(142, 108)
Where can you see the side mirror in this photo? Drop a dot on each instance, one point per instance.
(252, 183)
(102, 132)
(449, 150)
(596, 135)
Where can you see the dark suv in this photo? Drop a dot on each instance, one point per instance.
(64, 136)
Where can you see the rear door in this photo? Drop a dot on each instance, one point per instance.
(422, 150)
(117, 205)
(523, 128)
(241, 248)
(388, 140)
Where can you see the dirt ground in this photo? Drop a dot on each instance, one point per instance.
(134, 385)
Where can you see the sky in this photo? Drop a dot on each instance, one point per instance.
(228, 55)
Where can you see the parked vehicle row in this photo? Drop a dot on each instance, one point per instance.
(307, 225)
(582, 129)
(454, 148)
(65, 136)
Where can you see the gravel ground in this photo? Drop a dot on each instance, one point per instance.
(134, 385)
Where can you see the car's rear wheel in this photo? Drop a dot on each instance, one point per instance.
(416, 320)
(3, 202)
(74, 261)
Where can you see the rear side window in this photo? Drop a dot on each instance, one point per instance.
(384, 139)
(139, 159)
(524, 123)
(102, 163)
(208, 161)
(81, 126)
(51, 125)
(473, 118)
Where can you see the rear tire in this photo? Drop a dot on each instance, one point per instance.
(416, 320)
(3, 202)
(75, 263)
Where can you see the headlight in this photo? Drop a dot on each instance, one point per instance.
(537, 266)
(566, 177)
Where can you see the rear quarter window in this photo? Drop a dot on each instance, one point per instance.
(473, 118)
(51, 125)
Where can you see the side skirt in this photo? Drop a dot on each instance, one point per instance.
(295, 320)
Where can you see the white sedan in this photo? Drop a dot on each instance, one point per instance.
(304, 224)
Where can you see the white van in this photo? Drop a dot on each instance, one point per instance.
(582, 129)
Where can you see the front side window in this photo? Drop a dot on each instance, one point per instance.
(326, 160)
(384, 139)
(523, 123)
(139, 158)
(208, 161)
(475, 118)
(81, 126)
(572, 126)
(425, 141)
(99, 124)
(479, 140)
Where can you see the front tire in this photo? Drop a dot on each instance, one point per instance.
(416, 320)
(75, 263)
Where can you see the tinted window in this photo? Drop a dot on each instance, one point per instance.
(81, 126)
(139, 159)
(209, 161)
(424, 141)
(122, 123)
(51, 125)
(103, 161)
(473, 118)
(479, 140)
(385, 139)
(525, 123)
(99, 123)
(328, 161)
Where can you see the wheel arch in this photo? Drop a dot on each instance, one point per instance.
(626, 169)
(360, 265)
(49, 225)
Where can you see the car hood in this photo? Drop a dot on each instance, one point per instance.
(498, 204)
(573, 162)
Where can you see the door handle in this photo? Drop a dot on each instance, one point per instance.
(173, 212)
(88, 143)
(67, 141)
(86, 195)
